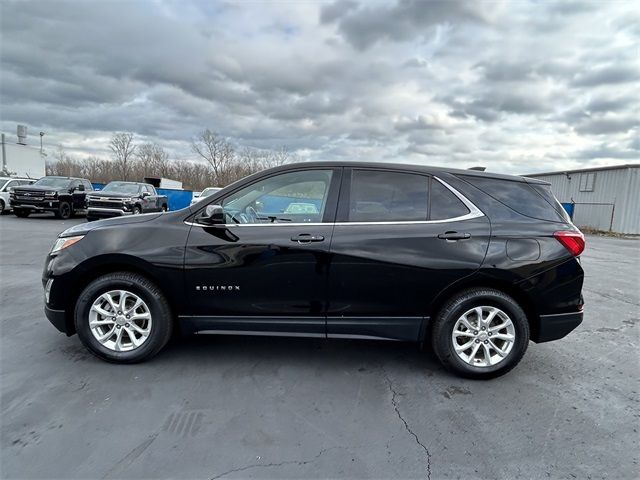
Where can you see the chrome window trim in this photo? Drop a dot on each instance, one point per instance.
(474, 212)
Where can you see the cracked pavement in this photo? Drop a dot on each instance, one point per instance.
(224, 407)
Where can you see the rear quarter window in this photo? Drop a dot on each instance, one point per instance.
(536, 201)
(444, 204)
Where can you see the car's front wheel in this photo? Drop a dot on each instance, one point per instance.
(65, 211)
(123, 317)
(480, 333)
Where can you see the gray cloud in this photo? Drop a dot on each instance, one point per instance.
(405, 20)
(607, 75)
(445, 82)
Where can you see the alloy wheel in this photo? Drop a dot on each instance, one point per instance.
(483, 336)
(120, 320)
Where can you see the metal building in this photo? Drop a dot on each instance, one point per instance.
(605, 198)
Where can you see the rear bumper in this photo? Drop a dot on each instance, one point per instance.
(554, 327)
(58, 318)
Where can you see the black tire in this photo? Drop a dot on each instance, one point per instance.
(21, 212)
(449, 314)
(65, 211)
(161, 327)
(137, 210)
(164, 208)
(2, 207)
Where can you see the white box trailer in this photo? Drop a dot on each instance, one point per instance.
(164, 183)
(19, 160)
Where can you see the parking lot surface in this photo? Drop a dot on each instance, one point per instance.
(238, 407)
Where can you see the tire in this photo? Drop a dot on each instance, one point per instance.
(137, 210)
(160, 324)
(478, 366)
(21, 212)
(164, 208)
(2, 207)
(65, 211)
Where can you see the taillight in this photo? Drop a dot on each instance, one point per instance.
(572, 241)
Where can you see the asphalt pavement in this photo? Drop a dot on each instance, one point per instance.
(254, 407)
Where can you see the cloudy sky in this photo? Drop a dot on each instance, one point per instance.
(515, 86)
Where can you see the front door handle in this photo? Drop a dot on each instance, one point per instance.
(454, 236)
(307, 238)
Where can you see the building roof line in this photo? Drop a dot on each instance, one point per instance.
(578, 170)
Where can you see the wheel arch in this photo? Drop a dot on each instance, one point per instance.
(102, 265)
(480, 281)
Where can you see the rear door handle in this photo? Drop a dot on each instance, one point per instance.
(454, 236)
(307, 238)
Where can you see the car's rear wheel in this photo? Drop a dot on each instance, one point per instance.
(21, 212)
(64, 210)
(480, 333)
(123, 318)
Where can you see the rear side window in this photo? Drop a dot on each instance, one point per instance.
(378, 196)
(444, 204)
(534, 201)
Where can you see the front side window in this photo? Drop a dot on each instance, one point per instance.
(9, 184)
(292, 197)
(378, 196)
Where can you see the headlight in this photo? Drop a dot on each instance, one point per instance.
(63, 243)
(50, 194)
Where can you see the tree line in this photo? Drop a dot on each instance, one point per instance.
(219, 162)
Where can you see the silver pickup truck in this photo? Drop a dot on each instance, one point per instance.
(124, 198)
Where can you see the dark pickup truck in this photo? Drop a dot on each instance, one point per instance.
(125, 198)
(64, 196)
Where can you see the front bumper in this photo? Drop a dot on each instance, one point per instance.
(40, 206)
(554, 327)
(57, 317)
(104, 212)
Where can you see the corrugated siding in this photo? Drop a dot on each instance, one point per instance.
(619, 187)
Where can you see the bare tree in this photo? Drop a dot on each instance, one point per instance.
(280, 156)
(217, 151)
(144, 156)
(160, 161)
(122, 149)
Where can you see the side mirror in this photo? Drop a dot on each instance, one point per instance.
(145, 194)
(212, 215)
(81, 188)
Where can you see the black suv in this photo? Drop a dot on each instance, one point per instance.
(64, 196)
(476, 263)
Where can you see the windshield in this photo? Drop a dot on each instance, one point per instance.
(56, 182)
(3, 183)
(121, 187)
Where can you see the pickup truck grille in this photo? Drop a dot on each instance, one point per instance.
(29, 197)
(106, 203)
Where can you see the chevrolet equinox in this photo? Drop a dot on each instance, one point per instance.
(475, 263)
